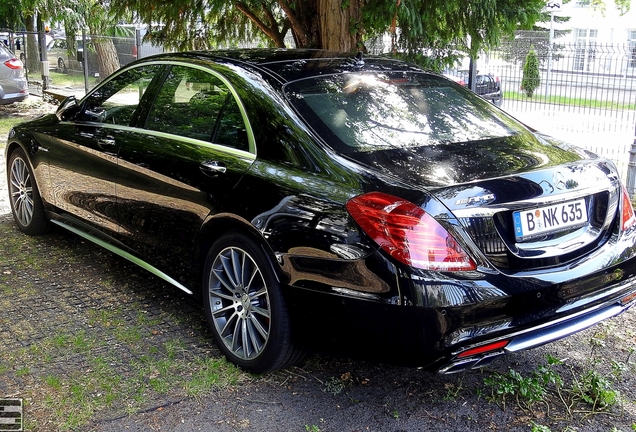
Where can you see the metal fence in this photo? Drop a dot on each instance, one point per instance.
(74, 63)
(587, 93)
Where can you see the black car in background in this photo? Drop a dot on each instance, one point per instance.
(316, 200)
(487, 86)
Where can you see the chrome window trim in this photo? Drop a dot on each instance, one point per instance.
(219, 147)
(248, 126)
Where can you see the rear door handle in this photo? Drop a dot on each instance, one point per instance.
(212, 167)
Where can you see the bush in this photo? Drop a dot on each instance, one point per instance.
(531, 76)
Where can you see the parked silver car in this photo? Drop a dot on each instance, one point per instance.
(13, 84)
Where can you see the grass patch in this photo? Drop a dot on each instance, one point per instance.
(6, 123)
(72, 80)
(570, 101)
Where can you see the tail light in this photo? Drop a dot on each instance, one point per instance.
(484, 349)
(627, 213)
(13, 63)
(408, 233)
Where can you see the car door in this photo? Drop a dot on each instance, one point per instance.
(193, 149)
(82, 155)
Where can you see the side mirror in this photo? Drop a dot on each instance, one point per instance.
(67, 109)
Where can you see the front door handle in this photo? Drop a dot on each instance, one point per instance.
(212, 167)
(106, 142)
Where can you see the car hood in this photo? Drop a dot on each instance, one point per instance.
(446, 165)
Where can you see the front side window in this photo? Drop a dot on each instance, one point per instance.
(196, 104)
(116, 101)
(369, 112)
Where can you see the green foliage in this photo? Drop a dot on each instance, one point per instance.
(439, 24)
(527, 390)
(596, 390)
(591, 389)
(536, 427)
(423, 24)
(531, 75)
(205, 24)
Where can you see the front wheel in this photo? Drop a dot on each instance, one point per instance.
(245, 307)
(498, 101)
(26, 204)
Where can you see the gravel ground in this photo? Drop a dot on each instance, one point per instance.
(65, 304)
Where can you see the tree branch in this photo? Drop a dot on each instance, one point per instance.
(260, 24)
(296, 24)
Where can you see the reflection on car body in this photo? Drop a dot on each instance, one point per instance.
(315, 201)
(487, 85)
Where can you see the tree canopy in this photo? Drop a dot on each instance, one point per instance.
(333, 24)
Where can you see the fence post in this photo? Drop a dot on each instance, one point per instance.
(138, 53)
(631, 169)
(85, 60)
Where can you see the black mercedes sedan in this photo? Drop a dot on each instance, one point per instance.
(324, 201)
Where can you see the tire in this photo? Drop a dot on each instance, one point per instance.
(498, 101)
(245, 308)
(61, 66)
(24, 196)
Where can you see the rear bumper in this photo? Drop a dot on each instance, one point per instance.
(541, 334)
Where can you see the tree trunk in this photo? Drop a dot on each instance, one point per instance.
(32, 51)
(336, 32)
(107, 59)
(303, 22)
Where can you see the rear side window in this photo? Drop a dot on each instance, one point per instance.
(196, 104)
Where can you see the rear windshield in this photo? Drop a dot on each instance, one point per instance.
(367, 112)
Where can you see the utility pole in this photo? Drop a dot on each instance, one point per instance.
(43, 53)
(550, 49)
(552, 6)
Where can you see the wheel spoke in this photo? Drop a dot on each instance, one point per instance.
(258, 326)
(232, 318)
(261, 311)
(223, 310)
(228, 272)
(255, 341)
(221, 294)
(237, 336)
(237, 261)
(255, 273)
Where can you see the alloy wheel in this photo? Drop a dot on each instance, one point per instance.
(21, 191)
(239, 303)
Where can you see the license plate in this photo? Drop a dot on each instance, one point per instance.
(550, 219)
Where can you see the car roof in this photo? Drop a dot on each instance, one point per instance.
(286, 65)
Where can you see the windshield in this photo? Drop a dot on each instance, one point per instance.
(367, 112)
